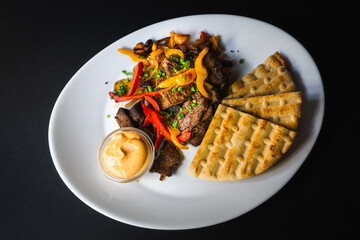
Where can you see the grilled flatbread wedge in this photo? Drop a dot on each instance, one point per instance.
(271, 77)
(283, 109)
(238, 145)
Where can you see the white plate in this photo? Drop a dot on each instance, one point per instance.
(79, 123)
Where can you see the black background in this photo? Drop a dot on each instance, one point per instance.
(43, 43)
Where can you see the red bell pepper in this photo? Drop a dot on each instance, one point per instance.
(159, 137)
(127, 97)
(153, 103)
(136, 78)
(155, 118)
(183, 137)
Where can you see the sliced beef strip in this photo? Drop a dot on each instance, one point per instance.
(170, 98)
(169, 64)
(168, 160)
(150, 131)
(193, 117)
(137, 113)
(216, 74)
(124, 119)
(198, 136)
(198, 132)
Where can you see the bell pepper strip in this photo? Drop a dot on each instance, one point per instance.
(156, 66)
(173, 133)
(183, 137)
(159, 137)
(215, 42)
(153, 103)
(170, 52)
(136, 78)
(155, 119)
(184, 78)
(146, 122)
(203, 34)
(201, 72)
(179, 38)
(135, 57)
(156, 53)
(129, 97)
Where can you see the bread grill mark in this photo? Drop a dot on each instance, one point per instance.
(238, 151)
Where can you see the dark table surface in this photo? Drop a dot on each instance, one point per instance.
(43, 43)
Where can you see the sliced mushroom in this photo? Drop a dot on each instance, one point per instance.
(143, 49)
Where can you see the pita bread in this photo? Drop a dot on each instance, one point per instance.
(283, 109)
(239, 145)
(271, 77)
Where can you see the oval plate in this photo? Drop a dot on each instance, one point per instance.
(79, 123)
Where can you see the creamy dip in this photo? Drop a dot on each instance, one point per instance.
(125, 155)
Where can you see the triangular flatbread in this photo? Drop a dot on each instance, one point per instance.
(239, 146)
(271, 77)
(283, 109)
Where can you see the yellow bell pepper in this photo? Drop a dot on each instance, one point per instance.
(174, 132)
(184, 78)
(135, 57)
(170, 52)
(215, 42)
(179, 38)
(156, 66)
(156, 53)
(201, 72)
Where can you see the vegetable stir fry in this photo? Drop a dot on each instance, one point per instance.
(169, 71)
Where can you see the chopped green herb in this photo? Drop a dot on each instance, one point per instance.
(181, 109)
(179, 89)
(242, 60)
(190, 109)
(193, 89)
(181, 115)
(108, 116)
(127, 73)
(194, 104)
(150, 88)
(175, 125)
(173, 89)
(106, 82)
